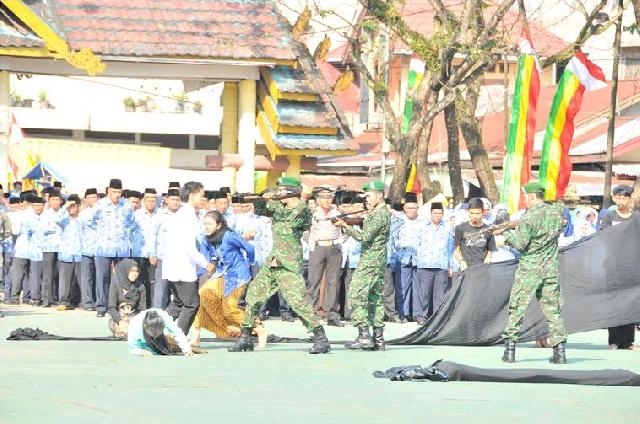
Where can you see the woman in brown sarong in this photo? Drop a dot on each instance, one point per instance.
(221, 291)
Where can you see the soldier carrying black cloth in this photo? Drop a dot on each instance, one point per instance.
(536, 238)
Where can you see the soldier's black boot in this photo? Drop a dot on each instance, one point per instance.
(378, 338)
(509, 351)
(363, 341)
(320, 342)
(559, 356)
(244, 343)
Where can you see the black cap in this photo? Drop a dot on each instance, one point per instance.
(219, 194)
(57, 184)
(54, 193)
(134, 193)
(173, 184)
(150, 191)
(125, 193)
(173, 192)
(14, 200)
(36, 199)
(90, 191)
(115, 183)
(437, 206)
(225, 190)
(74, 198)
(623, 190)
(47, 190)
(410, 197)
(208, 194)
(397, 206)
(23, 196)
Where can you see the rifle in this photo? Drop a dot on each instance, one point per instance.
(345, 218)
(508, 225)
(257, 197)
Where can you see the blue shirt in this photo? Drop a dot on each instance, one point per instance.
(160, 224)
(51, 230)
(29, 242)
(70, 239)
(435, 245)
(396, 221)
(88, 232)
(114, 223)
(263, 240)
(407, 238)
(230, 217)
(143, 243)
(233, 257)
(351, 252)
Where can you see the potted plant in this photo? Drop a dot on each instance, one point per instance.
(197, 106)
(129, 104)
(16, 100)
(42, 97)
(182, 99)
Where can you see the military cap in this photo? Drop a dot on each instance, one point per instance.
(289, 181)
(376, 185)
(533, 187)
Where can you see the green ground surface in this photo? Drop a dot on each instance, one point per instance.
(96, 382)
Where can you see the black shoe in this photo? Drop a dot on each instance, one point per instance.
(559, 356)
(335, 323)
(100, 314)
(287, 317)
(509, 351)
(378, 338)
(244, 343)
(363, 341)
(320, 342)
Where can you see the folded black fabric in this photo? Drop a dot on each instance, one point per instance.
(31, 334)
(451, 371)
(600, 283)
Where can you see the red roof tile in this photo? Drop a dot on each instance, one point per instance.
(235, 29)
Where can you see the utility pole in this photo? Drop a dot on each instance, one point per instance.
(608, 169)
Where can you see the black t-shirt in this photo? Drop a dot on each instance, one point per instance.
(612, 218)
(474, 244)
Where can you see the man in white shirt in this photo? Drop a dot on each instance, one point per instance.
(182, 257)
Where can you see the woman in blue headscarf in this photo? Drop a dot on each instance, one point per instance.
(568, 235)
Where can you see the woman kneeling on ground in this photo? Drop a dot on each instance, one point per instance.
(153, 332)
(221, 292)
(127, 296)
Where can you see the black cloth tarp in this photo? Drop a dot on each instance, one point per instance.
(600, 280)
(451, 371)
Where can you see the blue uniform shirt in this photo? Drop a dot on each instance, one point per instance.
(29, 242)
(435, 245)
(70, 240)
(51, 230)
(114, 223)
(143, 243)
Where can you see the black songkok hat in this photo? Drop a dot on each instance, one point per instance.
(208, 194)
(74, 198)
(173, 184)
(397, 206)
(90, 191)
(36, 199)
(14, 200)
(134, 193)
(115, 183)
(437, 206)
(219, 194)
(150, 191)
(410, 197)
(225, 190)
(57, 184)
(54, 193)
(173, 192)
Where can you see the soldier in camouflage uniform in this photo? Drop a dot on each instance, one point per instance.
(365, 292)
(536, 238)
(282, 268)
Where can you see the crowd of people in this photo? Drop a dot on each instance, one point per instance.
(188, 255)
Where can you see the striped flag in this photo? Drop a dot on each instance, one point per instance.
(522, 127)
(555, 164)
(416, 74)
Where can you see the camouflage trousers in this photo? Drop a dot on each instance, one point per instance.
(268, 281)
(547, 291)
(365, 295)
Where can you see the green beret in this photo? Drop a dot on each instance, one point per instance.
(533, 187)
(289, 182)
(376, 185)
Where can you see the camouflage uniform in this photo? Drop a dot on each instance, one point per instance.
(536, 237)
(288, 224)
(365, 292)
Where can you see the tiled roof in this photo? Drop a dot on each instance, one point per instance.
(313, 142)
(306, 114)
(13, 34)
(291, 80)
(234, 29)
